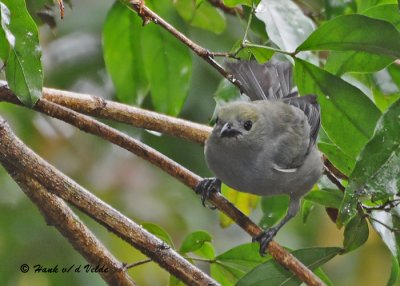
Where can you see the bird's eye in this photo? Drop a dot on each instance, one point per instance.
(247, 125)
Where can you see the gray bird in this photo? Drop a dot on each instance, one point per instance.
(265, 146)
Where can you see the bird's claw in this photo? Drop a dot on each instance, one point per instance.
(206, 187)
(264, 238)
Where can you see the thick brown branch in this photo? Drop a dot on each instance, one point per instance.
(190, 179)
(57, 213)
(138, 117)
(15, 153)
(99, 107)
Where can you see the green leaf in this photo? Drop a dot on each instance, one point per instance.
(24, 71)
(366, 4)
(377, 171)
(159, 232)
(245, 256)
(261, 55)
(194, 241)
(381, 37)
(209, 18)
(360, 61)
(321, 274)
(356, 233)
(326, 198)
(348, 116)
(236, 262)
(243, 201)
(204, 15)
(226, 92)
(123, 54)
(206, 251)
(285, 23)
(271, 273)
(4, 47)
(167, 62)
(233, 3)
(185, 8)
(173, 281)
(381, 221)
(394, 71)
(386, 12)
(336, 8)
(306, 209)
(274, 208)
(356, 61)
(385, 90)
(394, 272)
(383, 101)
(241, 53)
(338, 158)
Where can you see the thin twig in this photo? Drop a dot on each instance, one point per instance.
(14, 152)
(392, 229)
(185, 176)
(333, 179)
(57, 213)
(247, 44)
(335, 171)
(141, 262)
(61, 6)
(138, 117)
(387, 206)
(148, 15)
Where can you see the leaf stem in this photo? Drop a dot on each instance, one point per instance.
(141, 262)
(392, 229)
(251, 45)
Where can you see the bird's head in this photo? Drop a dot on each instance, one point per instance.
(237, 120)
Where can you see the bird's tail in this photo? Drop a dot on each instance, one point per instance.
(271, 81)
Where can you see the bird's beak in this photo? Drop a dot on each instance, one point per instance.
(228, 130)
(225, 128)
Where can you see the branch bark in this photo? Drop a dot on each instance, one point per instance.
(101, 108)
(137, 117)
(185, 176)
(15, 153)
(57, 213)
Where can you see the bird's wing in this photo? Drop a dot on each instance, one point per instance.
(309, 105)
(271, 81)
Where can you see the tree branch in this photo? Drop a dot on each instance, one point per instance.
(138, 117)
(57, 213)
(15, 153)
(185, 176)
(101, 108)
(148, 15)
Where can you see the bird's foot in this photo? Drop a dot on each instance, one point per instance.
(206, 187)
(264, 238)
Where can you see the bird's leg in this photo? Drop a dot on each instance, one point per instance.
(206, 187)
(267, 235)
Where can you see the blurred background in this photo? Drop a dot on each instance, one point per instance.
(72, 59)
